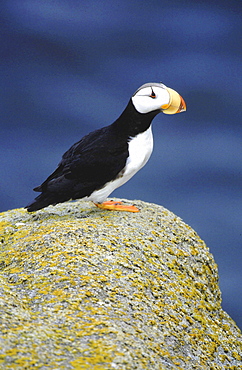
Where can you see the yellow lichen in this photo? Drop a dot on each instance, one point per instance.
(83, 292)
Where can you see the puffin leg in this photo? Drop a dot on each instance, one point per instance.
(116, 206)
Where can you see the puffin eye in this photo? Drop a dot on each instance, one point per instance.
(152, 95)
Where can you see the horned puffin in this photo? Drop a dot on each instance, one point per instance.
(107, 158)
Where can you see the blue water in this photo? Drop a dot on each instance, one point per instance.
(69, 67)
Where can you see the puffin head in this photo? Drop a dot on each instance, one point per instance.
(155, 96)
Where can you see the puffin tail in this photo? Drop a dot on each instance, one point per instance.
(43, 200)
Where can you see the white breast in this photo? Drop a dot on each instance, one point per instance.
(140, 149)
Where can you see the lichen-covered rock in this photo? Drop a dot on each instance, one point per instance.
(83, 288)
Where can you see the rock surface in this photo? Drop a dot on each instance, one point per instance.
(83, 288)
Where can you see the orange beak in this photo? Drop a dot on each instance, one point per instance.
(176, 104)
(183, 106)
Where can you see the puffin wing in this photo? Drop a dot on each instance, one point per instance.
(88, 165)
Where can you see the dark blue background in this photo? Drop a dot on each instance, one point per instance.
(69, 67)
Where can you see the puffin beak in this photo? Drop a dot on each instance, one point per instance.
(176, 104)
(183, 106)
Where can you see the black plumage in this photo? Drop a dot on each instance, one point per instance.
(96, 159)
(107, 158)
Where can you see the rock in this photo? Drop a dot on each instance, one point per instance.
(83, 288)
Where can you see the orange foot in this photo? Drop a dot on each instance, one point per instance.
(116, 206)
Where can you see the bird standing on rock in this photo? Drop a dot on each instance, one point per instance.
(106, 158)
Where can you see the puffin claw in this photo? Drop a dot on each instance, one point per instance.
(116, 206)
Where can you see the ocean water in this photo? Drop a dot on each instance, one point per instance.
(70, 67)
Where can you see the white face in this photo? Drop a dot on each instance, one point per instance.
(150, 97)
